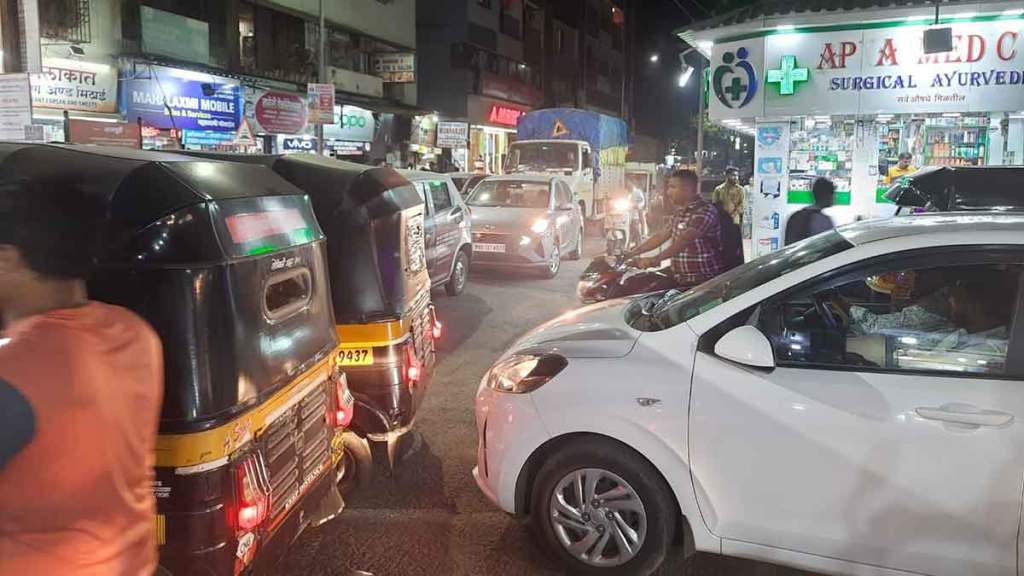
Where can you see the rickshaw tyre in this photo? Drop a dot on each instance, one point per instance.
(358, 459)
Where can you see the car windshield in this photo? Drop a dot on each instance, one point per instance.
(677, 307)
(537, 156)
(510, 193)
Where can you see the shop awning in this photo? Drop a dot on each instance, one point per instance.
(381, 104)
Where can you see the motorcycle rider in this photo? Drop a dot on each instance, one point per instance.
(694, 237)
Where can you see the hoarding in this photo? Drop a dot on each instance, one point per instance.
(198, 101)
(395, 67)
(321, 103)
(15, 106)
(66, 84)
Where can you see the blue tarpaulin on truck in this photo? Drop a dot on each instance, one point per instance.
(608, 135)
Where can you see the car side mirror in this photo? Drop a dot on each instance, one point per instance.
(748, 346)
(566, 207)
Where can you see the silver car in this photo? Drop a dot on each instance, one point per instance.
(525, 220)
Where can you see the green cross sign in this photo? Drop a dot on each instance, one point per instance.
(736, 89)
(788, 75)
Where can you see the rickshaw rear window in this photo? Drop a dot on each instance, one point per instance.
(287, 293)
(261, 226)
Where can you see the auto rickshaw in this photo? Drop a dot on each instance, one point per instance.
(374, 221)
(960, 188)
(226, 261)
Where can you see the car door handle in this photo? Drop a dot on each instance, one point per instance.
(964, 416)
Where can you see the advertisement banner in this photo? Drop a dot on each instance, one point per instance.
(875, 69)
(280, 112)
(770, 184)
(198, 101)
(121, 134)
(15, 106)
(452, 134)
(395, 67)
(66, 84)
(321, 103)
(176, 36)
(292, 144)
(352, 124)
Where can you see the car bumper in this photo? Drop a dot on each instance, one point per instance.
(509, 430)
(532, 255)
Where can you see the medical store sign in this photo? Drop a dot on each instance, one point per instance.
(869, 70)
(197, 101)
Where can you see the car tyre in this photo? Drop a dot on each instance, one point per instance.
(577, 251)
(460, 273)
(554, 263)
(356, 467)
(638, 477)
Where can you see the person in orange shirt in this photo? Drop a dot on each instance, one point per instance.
(80, 389)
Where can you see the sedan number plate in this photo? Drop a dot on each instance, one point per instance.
(355, 357)
(481, 247)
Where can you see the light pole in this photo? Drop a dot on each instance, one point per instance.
(684, 77)
(321, 76)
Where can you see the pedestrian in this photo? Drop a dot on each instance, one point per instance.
(694, 237)
(902, 168)
(730, 195)
(809, 221)
(80, 391)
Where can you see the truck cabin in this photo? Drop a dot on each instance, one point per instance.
(564, 157)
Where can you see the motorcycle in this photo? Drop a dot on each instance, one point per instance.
(612, 276)
(625, 216)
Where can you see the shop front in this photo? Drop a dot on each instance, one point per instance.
(80, 91)
(844, 95)
(492, 127)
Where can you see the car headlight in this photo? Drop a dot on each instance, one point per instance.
(520, 374)
(621, 205)
(540, 226)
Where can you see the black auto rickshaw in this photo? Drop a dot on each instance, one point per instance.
(960, 188)
(373, 219)
(226, 261)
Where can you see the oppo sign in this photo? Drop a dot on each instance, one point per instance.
(351, 123)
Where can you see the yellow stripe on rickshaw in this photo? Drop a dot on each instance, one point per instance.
(371, 335)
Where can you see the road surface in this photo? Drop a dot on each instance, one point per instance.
(430, 519)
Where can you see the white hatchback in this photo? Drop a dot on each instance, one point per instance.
(844, 405)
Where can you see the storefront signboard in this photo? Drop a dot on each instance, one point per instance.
(198, 101)
(280, 112)
(504, 115)
(770, 186)
(292, 144)
(321, 103)
(66, 84)
(452, 134)
(395, 66)
(207, 138)
(346, 148)
(424, 131)
(870, 70)
(121, 134)
(176, 36)
(351, 124)
(15, 107)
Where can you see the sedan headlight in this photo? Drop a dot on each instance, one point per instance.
(540, 226)
(520, 374)
(621, 205)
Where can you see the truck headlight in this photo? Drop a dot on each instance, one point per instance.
(540, 226)
(521, 374)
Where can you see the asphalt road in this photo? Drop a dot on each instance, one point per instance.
(430, 519)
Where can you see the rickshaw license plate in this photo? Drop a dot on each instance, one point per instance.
(355, 357)
(483, 247)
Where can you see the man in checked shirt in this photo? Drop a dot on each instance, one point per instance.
(695, 235)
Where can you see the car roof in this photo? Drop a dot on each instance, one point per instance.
(525, 177)
(958, 223)
(419, 175)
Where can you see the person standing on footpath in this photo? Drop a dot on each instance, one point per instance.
(730, 195)
(809, 221)
(694, 237)
(81, 385)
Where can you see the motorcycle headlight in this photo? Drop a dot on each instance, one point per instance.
(540, 226)
(621, 205)
(521, 374)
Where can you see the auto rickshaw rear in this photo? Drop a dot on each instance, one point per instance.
(226, 261)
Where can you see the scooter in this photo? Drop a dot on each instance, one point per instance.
(612, 276)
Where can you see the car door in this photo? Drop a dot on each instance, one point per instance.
(447, 217)
(429, 227)
(563, 216)
(899, 447)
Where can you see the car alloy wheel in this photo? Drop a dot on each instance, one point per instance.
(460, 271)
(554, 262)
(598, 517)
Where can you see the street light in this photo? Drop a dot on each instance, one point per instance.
(654, 57)
(684, 77)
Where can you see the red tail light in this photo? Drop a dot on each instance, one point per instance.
(411, 366)
(436, 328)
(343, 402)
(253, 493)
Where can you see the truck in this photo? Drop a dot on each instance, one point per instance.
(587, 148)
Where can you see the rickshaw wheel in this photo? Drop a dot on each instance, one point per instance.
(356, 467)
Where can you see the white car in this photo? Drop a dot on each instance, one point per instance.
(845, 405)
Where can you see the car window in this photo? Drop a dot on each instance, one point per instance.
(953, 319)
(511, 194)
(562, 195)
(420, 189)
(439, 195)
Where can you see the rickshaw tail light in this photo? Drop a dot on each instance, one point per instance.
(253, 493)
(343, 410)
(438, 329)
(412, 366)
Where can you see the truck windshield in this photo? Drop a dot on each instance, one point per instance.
(541, 156)
(510, 193)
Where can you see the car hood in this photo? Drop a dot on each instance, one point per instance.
(595, 331)
(505, 220)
